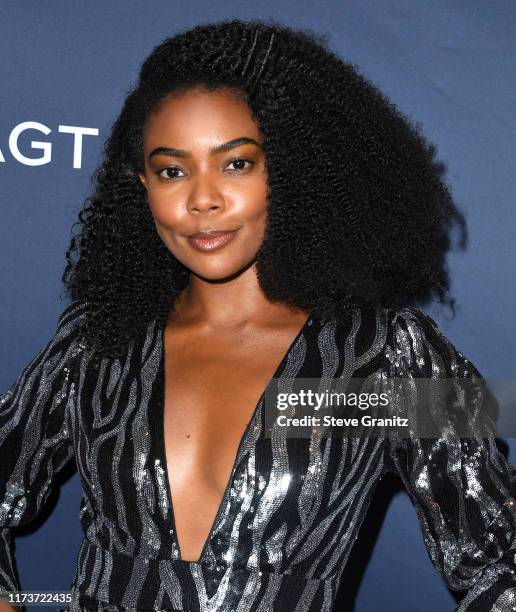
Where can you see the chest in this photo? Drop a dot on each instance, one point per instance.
(157, 437)
(211, 390)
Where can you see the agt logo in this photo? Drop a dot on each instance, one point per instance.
(45, 156)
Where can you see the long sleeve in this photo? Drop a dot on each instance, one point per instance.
(463, 489)
(35, 442)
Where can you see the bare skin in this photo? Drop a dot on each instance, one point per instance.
(226, 339)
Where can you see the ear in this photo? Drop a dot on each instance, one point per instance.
(142, 179)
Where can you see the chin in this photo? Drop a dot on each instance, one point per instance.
(219, 273)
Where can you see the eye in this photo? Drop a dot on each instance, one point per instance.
(172, 169)
(239, 161)
(171, 173)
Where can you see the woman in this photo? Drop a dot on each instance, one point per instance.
(262, 212)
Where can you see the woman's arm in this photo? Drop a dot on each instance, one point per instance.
(35, 441)
(463, 489)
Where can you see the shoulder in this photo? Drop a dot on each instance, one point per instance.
(69, 324)
(411, 315)
(375, 329)
(416, 342)
(411, 323)
(379, 324)
(72, 314)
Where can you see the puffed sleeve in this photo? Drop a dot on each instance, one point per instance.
(35, 440)
(463, 489)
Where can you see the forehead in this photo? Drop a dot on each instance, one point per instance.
(197, 114)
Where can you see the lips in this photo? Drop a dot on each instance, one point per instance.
(210, 241)
(210, 234)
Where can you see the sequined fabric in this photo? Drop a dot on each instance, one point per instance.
(292, 508)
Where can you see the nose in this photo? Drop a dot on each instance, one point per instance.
(205, 195)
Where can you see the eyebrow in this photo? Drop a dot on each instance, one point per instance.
(227, 146)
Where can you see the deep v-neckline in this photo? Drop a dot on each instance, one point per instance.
(162, 446)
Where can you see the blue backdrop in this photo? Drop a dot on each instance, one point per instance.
(65, 70)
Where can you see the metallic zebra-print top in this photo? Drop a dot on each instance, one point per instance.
(292, 507)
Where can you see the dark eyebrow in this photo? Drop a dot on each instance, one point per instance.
(227, 146)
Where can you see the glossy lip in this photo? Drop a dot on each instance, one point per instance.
(210, 241)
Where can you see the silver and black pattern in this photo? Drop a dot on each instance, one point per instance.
(292, 508)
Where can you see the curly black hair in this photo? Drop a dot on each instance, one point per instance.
(358, 212)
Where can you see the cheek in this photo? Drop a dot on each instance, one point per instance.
(165, 211)
(254, 204)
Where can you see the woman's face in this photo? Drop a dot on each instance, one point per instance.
(205, 170)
